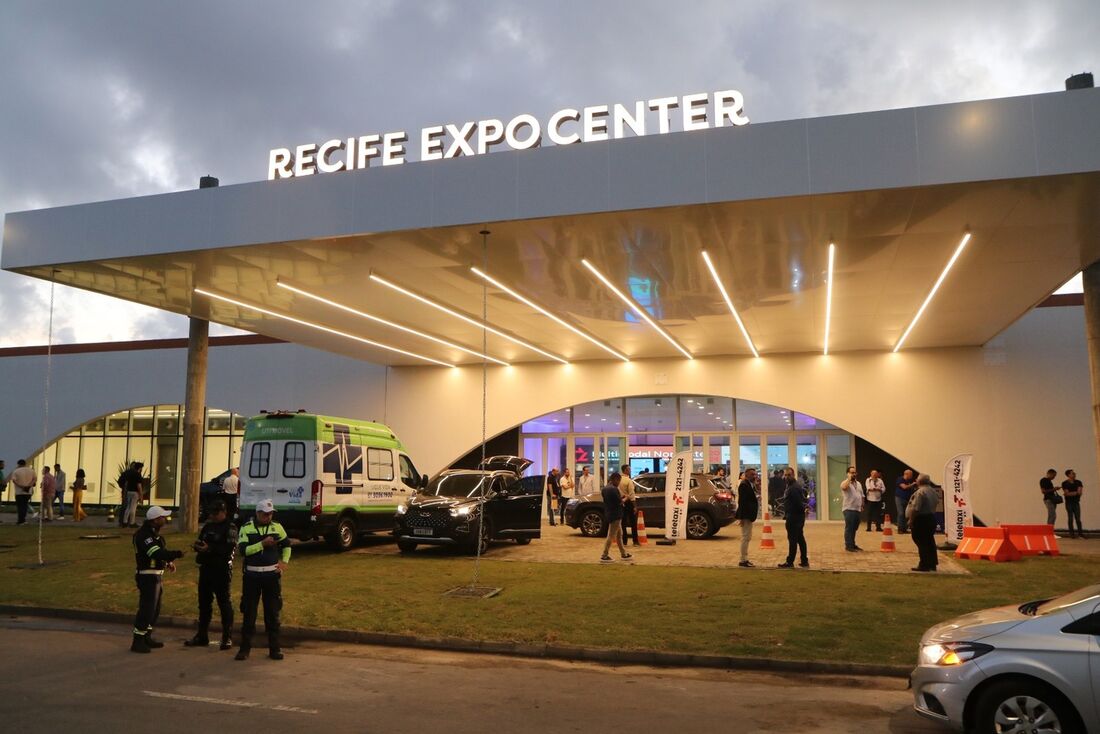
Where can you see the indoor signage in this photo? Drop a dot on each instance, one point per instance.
(478, 137)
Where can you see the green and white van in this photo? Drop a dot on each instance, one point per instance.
(331, 478)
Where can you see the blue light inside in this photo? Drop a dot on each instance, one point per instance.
(644, 293)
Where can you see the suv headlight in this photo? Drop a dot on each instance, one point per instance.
(402, 509)
(461, 511)
(573, 502)
(948, 654)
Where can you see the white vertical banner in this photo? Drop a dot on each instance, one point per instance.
(677, 484)
(956, 501)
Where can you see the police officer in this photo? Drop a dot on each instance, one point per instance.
(265, 547)
(152, 558)
(215, 548)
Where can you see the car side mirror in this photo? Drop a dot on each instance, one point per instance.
(423, 481)
(502, 493)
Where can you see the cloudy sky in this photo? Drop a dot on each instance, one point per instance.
(102, 100)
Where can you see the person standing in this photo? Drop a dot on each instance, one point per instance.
(152, 558)
(215, 548)
(1071, 490)
(748, 507)
(24, 479)
(131, 483)
(553, 496)
(586, 483)
(565, 484)
(231, 489)
(78, 488)
(922, 516)
(903, 490)
(794, 507)
(613, 513)
(630, 507)
(47, 489)
(853, 506)
(776, 487)
(876, 488)
(1050, 496)
(265, 548)
(59, 482)
(720, 479)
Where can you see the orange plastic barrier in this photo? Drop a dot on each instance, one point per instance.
(766, 540)
(888, 537)
(643, 538)
(989, 544)
(1033, 540)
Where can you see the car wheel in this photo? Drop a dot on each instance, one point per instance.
(1024, 705)
(523, 541)
(593, 524)
(343, 537)
(406, 546)
(699, 525)
(484, 533)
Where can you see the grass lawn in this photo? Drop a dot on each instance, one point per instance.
(802, 615)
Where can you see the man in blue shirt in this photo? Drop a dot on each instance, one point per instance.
(613, 511)
(903, 490)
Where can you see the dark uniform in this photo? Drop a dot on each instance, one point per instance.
(794, 504)
(262, 579)
(215, 577)
(151, 555)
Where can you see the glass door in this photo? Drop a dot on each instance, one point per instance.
(838, 453)
(806, 452)
(614, 454)
(778, 458)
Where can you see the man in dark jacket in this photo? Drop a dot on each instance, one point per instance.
(748, 507)
(152, 558)
(215, 548)
(794, 506)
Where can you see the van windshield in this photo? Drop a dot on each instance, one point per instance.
(457, 485)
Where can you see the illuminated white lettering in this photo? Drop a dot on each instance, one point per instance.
(623, 119)
(663, 106)
(729, 105)
(489, 133)
(280, 164)
(595, 123)
(305, 160)
(460, 140)
(327, 148)
(518, 123)
(557, 120)
(431, 148)
(694, 117)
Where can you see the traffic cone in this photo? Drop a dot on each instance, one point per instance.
(887, 537)
(643, 539)
(766, 541)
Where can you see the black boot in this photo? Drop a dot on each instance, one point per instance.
(245, 648)
(153, 644)
(227, 642)
(199, 640)
(139, 644)
(274, 649)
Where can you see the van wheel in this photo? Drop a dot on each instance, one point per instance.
(593, 525)
(343, 537)
(406, 546)
(1027, 704)
(699, 525)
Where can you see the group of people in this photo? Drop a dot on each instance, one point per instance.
(1071, 489)
(561, 487)
(52, 487)
(263, 545)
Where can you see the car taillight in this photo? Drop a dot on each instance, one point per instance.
(315, 497)
(723, 496)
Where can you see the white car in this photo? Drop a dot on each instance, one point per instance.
(1028, 668)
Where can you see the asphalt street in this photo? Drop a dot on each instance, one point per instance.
(73, 676)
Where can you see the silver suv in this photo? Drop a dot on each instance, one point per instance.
(1027, 668)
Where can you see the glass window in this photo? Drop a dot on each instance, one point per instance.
(217, 421)
(259, 459)
(838, 457)
(409, 474)
(718, 456)
(239, 422)
(532, 449)
(118, 423)
(556, 454)
(556, 422)
(94, 427)
(68, 456)
(700, 413)
(602, 416)
(803, 422)
(380, 464)
(807, 469)
(749, 453)
(235, 451)
(215, 456)
(649, 452)
(165, 474)
(168, 420)
(753, 416)
(141, 420)
(114, 457)
(294, 460)
(657, 413)
(102, 486)
(141, 449)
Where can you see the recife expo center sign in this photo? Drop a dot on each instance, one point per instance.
(567, 126)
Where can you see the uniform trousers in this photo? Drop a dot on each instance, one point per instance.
(149, 594)
(269, 587)
(214, 582)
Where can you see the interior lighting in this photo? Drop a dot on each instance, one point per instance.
(463, 317)
(391, 324)
(729, 303)
(547, 314)
(936, 287)
(829, 295)
(636, 308)
(326, 329)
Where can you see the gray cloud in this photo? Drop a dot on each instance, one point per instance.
(113, 99)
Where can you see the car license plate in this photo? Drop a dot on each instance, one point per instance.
(422, 531)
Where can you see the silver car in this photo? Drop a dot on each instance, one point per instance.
(1028, 668)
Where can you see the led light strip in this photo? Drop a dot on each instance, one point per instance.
(636, 308)
(936, 287)
(390, 324)
(479, 324)
(729, 303)
(547, 314)
(829, 295)
(293, 320)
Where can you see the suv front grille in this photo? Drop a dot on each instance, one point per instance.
(423, 519)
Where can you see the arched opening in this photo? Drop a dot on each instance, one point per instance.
(151, 434)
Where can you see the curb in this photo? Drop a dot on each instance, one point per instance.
(517, 649)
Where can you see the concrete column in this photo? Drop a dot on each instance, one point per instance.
(1090, 277)
(198, 346)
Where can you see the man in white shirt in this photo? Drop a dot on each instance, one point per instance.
(853, 506)
(231, 487)
(586, 482)
(61, 479)
(23, 479)
(876, 488)
(630, 510)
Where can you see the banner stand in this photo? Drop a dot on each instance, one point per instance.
(677, 483)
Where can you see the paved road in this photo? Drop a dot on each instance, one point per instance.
(70, 676)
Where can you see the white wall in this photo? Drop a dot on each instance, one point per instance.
(1020, 404)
